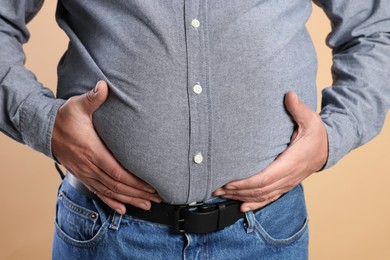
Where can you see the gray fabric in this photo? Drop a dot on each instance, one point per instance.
(246, 55)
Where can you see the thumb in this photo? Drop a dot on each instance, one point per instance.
(300, 112)
(94, 98)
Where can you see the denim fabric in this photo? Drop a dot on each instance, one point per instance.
(87, 230)
(245, 55)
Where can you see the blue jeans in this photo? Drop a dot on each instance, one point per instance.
(85, 229)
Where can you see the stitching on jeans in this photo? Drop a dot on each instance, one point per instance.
(100, 235)
(280, 242)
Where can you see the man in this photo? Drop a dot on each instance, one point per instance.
(196, 102)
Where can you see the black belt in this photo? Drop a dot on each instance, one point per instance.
(198, 218)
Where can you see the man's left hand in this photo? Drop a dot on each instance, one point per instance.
(306, 154)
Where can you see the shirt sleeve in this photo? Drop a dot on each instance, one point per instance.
(355, 107)
(27, 108)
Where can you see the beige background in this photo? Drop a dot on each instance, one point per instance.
(348, 205)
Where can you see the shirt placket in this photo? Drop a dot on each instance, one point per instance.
(199, 99)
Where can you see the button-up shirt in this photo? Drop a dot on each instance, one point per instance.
(197, 87)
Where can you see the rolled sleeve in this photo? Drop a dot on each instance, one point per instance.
(355, 106)
(27, 108)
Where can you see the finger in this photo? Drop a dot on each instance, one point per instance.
(300, 112)
(257, 205)
(104, 160)
(260, 194)
(98, 181)
(116, 187)
(121, 192)
(115, 205)
(120, 207)
(277, 170)
(118, 191)
(136, 202)
(94, 98)
(117, 202)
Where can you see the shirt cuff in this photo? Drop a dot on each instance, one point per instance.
(37, 117)
(342, 135)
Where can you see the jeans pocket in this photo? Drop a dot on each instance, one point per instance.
(284, 221)
(78, 221)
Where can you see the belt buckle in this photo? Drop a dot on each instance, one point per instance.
(178, 218)
(208, 213)
(196, 208)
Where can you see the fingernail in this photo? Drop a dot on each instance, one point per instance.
(229, 187)
(219, 193)
(96, 89)
(157, 200)
(246, 209)
(149, 189)
(119, 211)
(143, 206)
(296, 99)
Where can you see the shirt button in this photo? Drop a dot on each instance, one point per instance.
(198, 158)
(198, 89)
(195, 23)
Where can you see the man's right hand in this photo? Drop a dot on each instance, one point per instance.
(78, 147)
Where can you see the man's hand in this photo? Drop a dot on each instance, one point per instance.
(77, 146)
(307, 153)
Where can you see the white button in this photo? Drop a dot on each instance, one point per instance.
(198, 158)
(195, 23)
(198, 89)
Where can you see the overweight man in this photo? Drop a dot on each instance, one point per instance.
(186, 127)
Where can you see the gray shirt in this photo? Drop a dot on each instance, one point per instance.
(197, 87)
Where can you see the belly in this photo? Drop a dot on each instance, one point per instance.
(154, 123)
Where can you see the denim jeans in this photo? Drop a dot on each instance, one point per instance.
(85, 229)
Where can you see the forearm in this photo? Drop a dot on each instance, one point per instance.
(355, 107)
(28, 109)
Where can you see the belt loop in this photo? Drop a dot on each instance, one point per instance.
(178, 220)
(250, 221)
(115, 221)
(221, 207)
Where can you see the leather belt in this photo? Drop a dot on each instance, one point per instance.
(199, 218)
